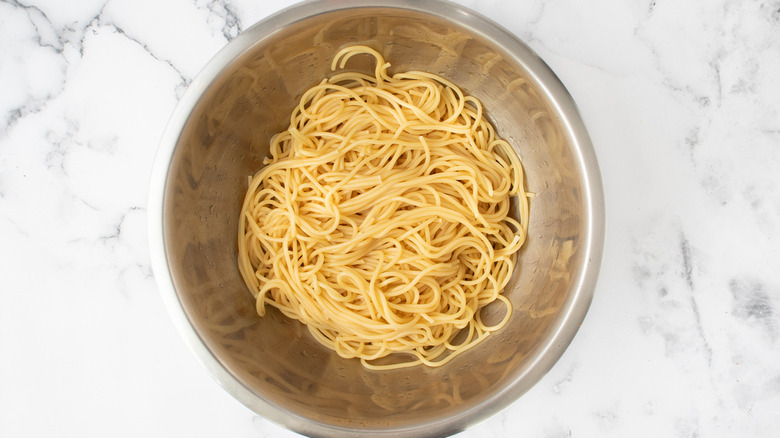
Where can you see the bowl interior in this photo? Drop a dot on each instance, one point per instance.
(225, 139)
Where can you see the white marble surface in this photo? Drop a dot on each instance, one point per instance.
(682, 100)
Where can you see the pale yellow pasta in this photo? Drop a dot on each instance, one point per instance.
(381, 218)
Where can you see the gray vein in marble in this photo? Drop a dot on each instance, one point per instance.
(539, 15)
(99, 21)
(700, 99)
(18, 229)
(557, 387)
(671, 289)
(692, 141)
(530, 23)
(687, 271)
(39, 19)
(752, 304)
(31, 106)
(715, 66)
(46, 36)
(186, 81)
(686, 262)
(117, 231)
(144, 269)
(55, 158)
(669, 79)
(225, 11)
(90, 25)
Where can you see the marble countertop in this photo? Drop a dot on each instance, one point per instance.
(682, 101)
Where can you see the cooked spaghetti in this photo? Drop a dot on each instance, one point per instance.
(381, 218)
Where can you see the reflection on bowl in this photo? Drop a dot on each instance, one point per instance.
(219, 135)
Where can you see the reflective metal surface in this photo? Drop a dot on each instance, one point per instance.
(219, 135)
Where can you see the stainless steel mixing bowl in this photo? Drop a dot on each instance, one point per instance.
(218, 136)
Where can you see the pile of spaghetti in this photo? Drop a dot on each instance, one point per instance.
(381, 218)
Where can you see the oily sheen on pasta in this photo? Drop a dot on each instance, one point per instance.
(381, 218)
